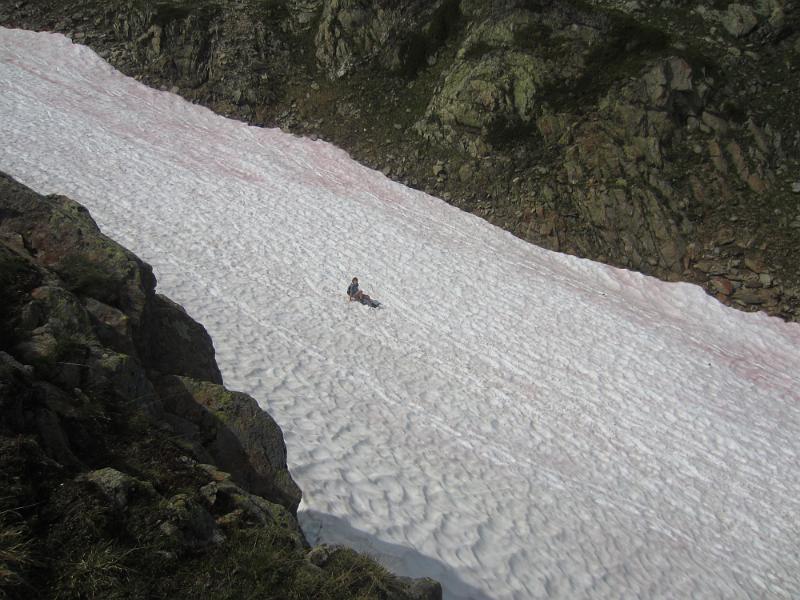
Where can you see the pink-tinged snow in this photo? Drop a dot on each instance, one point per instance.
(515, 423)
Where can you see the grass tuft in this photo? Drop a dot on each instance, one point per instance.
(15, 552)
(100, 570)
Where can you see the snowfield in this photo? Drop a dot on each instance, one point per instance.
(515, 423)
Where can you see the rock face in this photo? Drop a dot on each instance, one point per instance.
(88, 318)
(498, 83)
(398, 37)
(627, 132)
(235, 433)
(125, 463)
(174, 338)
(95, 304)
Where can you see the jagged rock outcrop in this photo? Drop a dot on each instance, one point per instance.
(94, 308)
(630, 132)
(398, 37)
(231, 429)
(612, 165)
(175, 339)
(499, 81)
(126, 465)
(87, 317)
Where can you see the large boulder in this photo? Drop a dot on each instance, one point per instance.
(178, 344)
(739, 20)
(233, 430)
(396, 36)
(118, 487)
(62, 237)
(78, 331)
(495, 88)
(88, 314)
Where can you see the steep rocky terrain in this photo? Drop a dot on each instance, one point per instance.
(659, 135)
(126, 469)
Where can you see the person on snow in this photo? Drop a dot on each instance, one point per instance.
(353, 293)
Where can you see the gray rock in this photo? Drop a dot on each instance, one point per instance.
(242, 507)
(54, 438)
(421, 589)
(112, 326)
(321, 554)
(715, 122)
(188, 524)
(9, 362)
(747, 296)
(739, 20)
(177, 344)
(722, 285)
(87, 261)
(303, 13)
(356, 32)
(118, 487)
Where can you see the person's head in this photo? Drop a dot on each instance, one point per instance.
(355, 279)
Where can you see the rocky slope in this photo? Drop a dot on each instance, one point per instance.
(127, 470)
(659, 135)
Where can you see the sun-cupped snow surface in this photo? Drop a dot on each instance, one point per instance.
(514, 422)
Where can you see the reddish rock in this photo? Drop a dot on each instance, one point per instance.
(755, 263)
(722, 285)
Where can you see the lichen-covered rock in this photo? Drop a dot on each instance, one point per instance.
(118, 487)
(112, 326)
(63, 238)
(350, 31)
(498, 82)
(97, 294)
(739, 20)
(203, 50)
(62, 327)
(240, 508)
(488, 97)
(302, 14)
(397, 36)
(613, 163)
(188, 525)
(240, 437)
(421, 589)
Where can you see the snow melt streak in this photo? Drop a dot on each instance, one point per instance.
(516, 423)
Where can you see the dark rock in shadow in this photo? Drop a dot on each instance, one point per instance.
(403, 560)
(235, 432)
